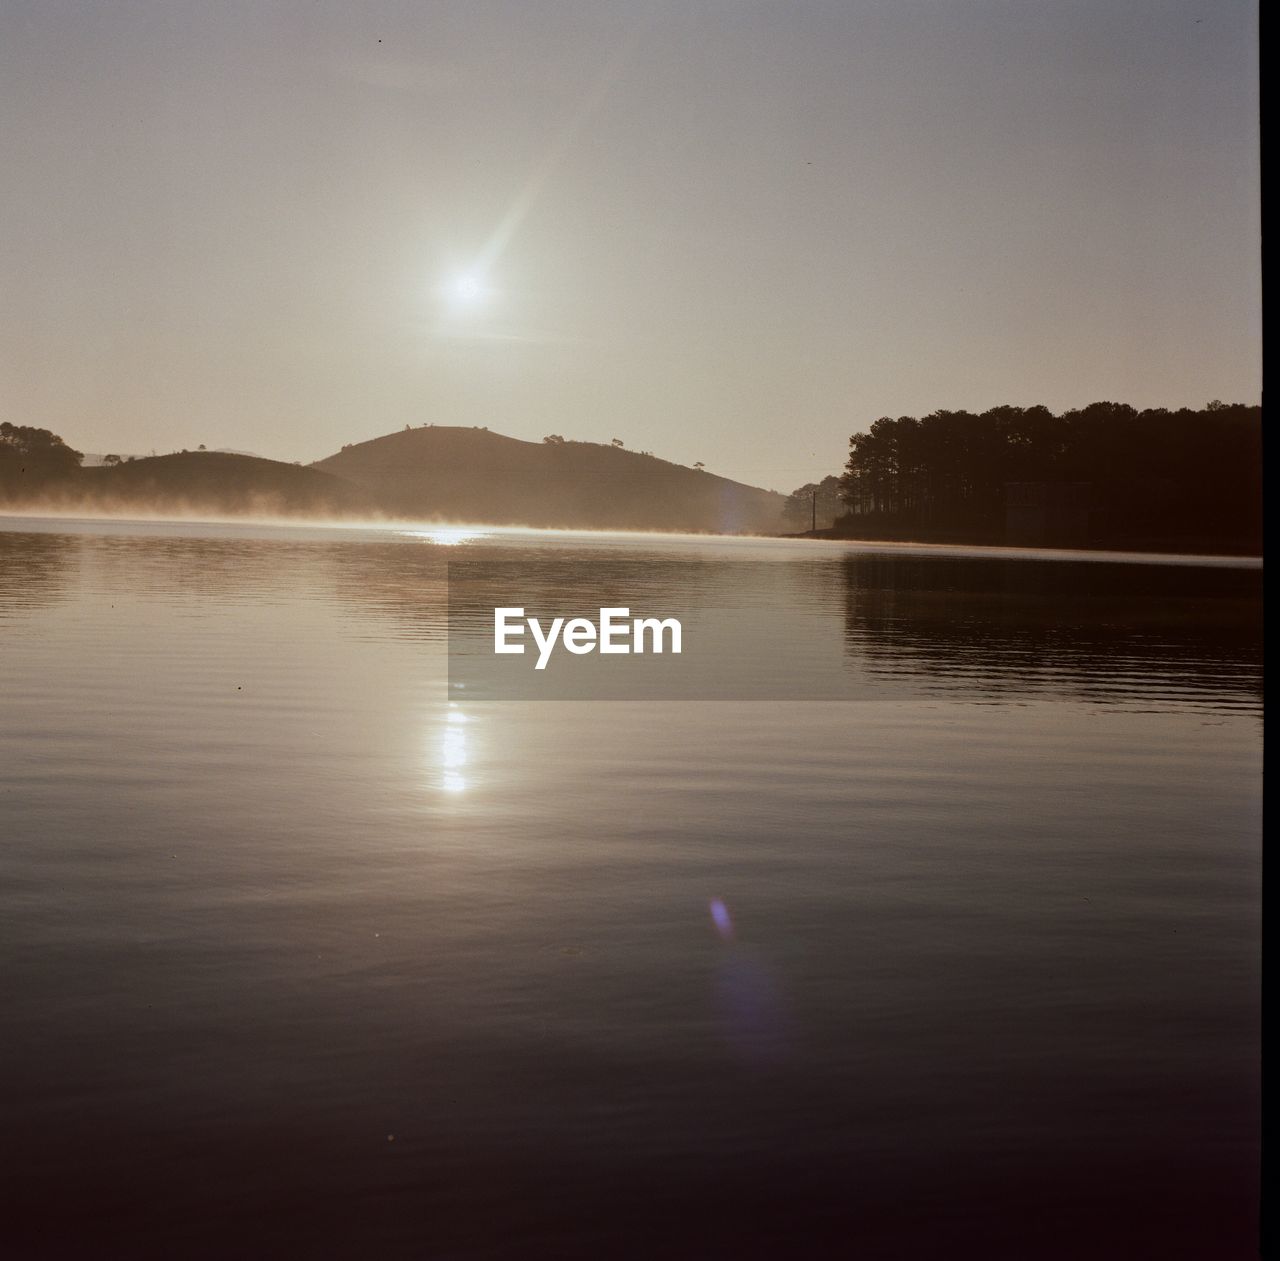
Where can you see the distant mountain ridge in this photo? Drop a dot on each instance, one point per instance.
(432, 473)
(449, 473)
(222, 481)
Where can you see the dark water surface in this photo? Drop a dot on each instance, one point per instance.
(302, 959)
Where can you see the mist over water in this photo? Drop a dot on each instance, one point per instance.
(303, 950)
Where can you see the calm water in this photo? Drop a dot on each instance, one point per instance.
(299, 959)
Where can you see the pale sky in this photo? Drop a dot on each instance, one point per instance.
(733, 231)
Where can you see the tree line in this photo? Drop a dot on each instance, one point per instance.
(1149, 477)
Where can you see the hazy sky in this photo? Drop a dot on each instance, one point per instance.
(732, 231)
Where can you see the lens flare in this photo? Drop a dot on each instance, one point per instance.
(721, 919)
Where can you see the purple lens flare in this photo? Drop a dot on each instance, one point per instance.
(721, 918)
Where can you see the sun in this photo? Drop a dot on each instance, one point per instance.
(467, 291)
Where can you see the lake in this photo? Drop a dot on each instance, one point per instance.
(925, 923)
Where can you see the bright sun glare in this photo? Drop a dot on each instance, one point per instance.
(446, 536)
(467, 291)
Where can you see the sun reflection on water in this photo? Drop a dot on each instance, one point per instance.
(453, 751)
(446, 536)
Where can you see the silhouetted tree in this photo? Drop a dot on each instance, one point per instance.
(824, 496)
(1153, 474)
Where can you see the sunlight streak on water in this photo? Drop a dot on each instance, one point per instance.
(453, 751)
(447, 536)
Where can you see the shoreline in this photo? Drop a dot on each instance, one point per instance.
(1171, 547)
(455, 532)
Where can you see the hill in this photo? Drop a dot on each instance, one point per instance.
(222, 482)
(194, 481)
(448, 473)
